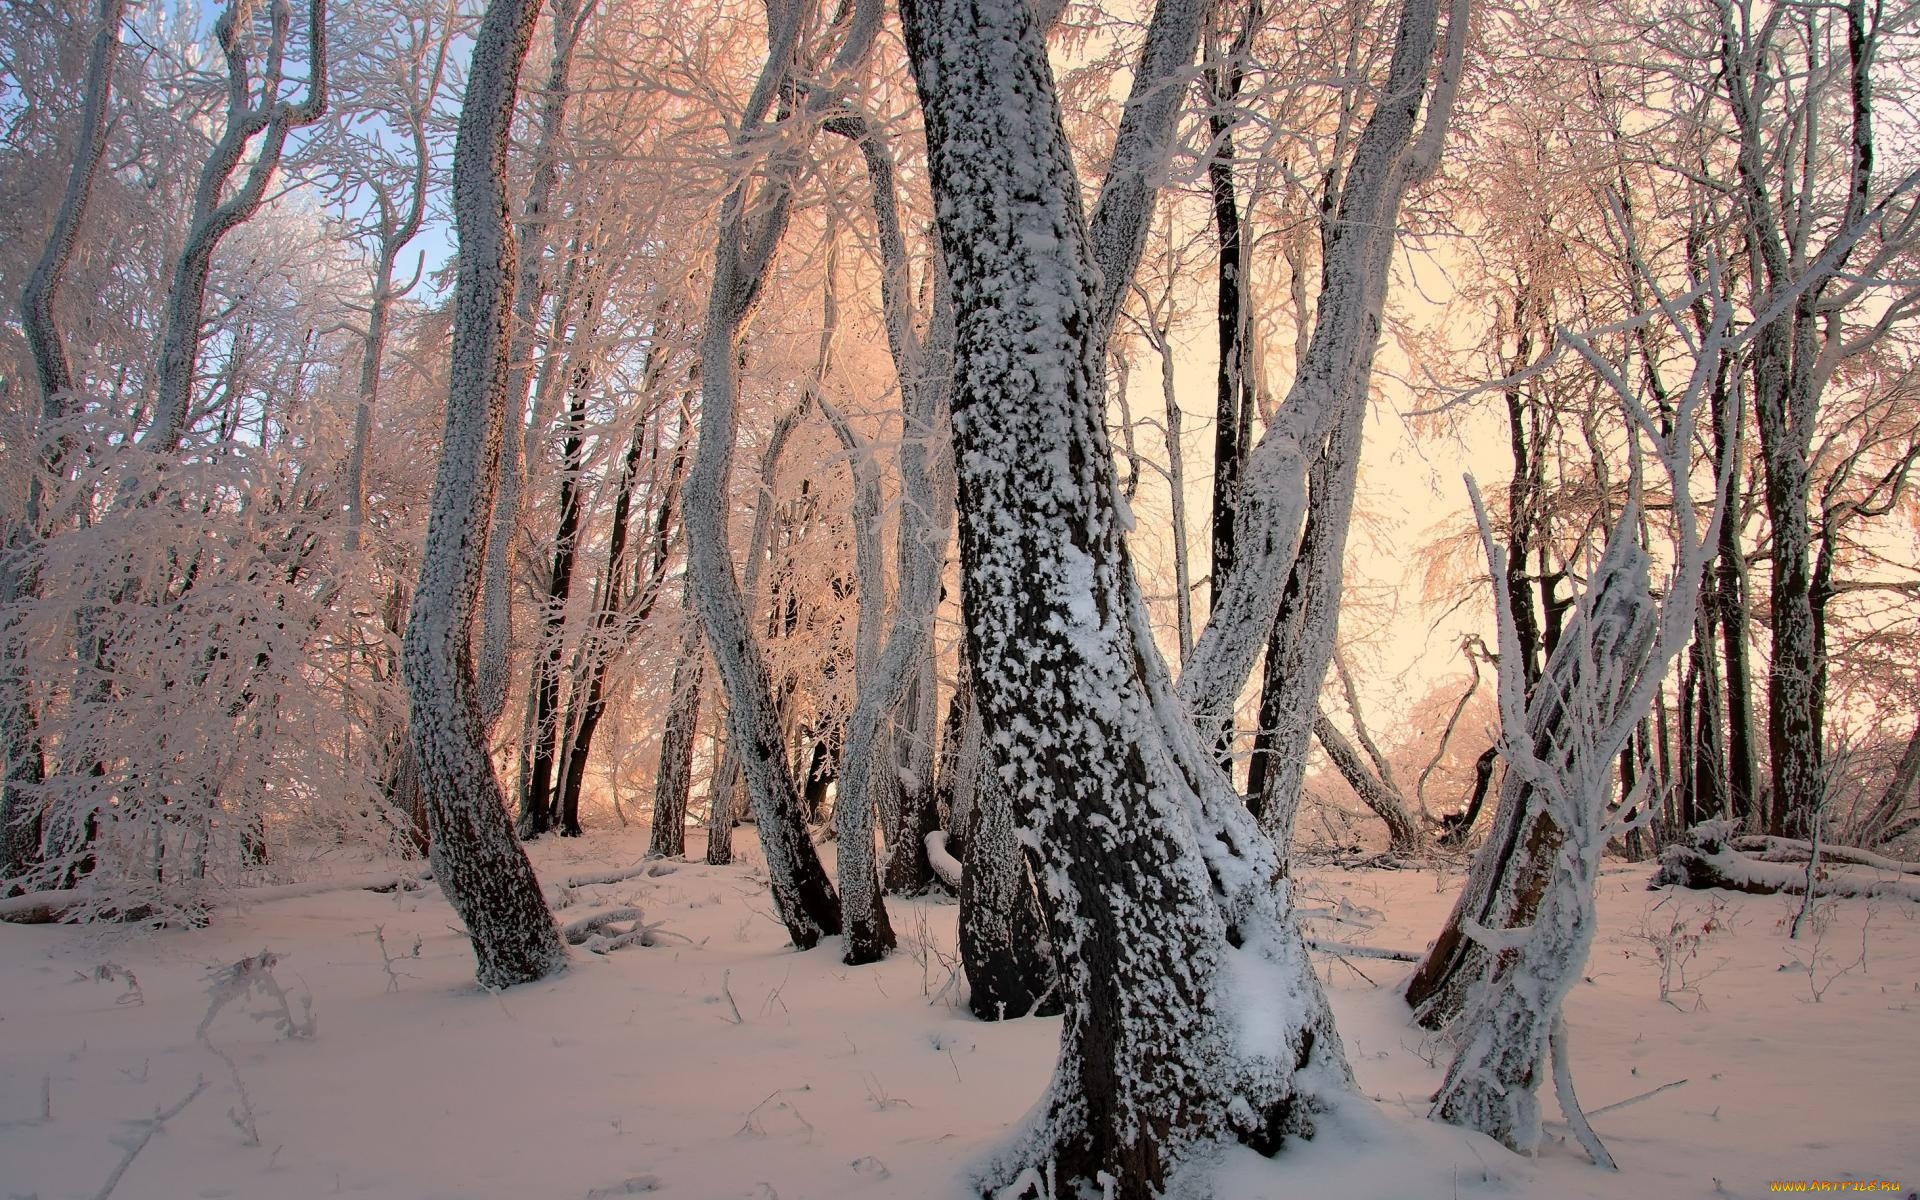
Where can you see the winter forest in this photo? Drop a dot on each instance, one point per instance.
(1016, 599)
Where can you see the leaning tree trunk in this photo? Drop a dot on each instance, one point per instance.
(1533, 953)
(1377, 794)
(477, 861)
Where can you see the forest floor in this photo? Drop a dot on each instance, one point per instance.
(719, 1063)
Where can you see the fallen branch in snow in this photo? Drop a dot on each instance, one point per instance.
(1707, 860)
(147, 1129)
(1794, 850)
(650, 866)
(599, 933)
(1346, 951)
(46, 1107)
(1647, 1095)
(47, 908)
(945, 865)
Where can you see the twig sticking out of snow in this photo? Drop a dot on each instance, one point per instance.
(254, 973)
(626, 1187)
(147, 1129)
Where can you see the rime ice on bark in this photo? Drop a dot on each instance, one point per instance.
(1562, 743)
(1594, 674)
(751, 227)
(476, 859)
(1193, 1016)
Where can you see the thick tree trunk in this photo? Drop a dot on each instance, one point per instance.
(476, 859)
(1167, 907)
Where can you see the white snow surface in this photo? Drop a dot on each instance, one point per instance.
(630, 1074)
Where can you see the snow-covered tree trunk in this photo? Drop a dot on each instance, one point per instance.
(1563, 741)
(477, 861)
(868, 756)
(909, 871)
(749, 237)
(1504, 1031)
(25, 768)
(1193, 1016)
(529, 291)
(1393, 151)
(1310, 455)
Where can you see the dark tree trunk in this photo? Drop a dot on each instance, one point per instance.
(1729, 600)
(1003, 935)
(536, 797)
(667, 835)
(1233, 387)
(1377, 794)
(1459, 827)
(822, 769)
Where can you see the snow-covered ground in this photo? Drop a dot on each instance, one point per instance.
(719, 1063)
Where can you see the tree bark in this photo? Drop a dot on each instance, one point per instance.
(1156, 881)
(476, 860)
(529, 291)
(748, 237)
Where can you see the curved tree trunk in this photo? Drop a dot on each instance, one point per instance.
(529, 292)
(748, 237)
(476, 860)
